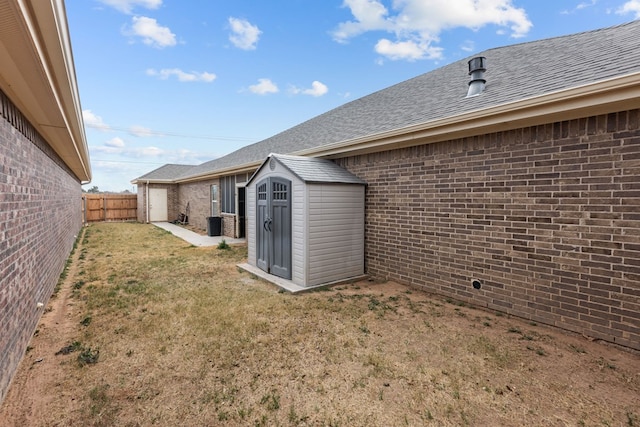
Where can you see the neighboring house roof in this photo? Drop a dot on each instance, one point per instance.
(529, 83)
(312, 170)
(166, 173)
(38, 75)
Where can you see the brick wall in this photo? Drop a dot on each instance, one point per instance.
(141, 209)
(173, 207)
(40, 216)
(198, 195)
(545, 218)
(228, 224)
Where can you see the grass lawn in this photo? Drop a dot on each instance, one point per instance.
(148, 330)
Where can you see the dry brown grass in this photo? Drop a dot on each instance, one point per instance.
(180, 337)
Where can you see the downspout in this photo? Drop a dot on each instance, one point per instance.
(147, 203)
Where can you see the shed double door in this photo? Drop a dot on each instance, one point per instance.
(273, 226)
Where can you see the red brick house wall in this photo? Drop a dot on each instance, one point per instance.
(198, 195)
(545, 218)
(40, 217)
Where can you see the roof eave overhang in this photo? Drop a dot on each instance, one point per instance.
(152, 181)
(38, 75)
(612, 95)
(248, 167)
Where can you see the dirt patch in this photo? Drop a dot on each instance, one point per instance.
(179, 336)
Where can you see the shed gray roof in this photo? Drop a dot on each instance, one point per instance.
(514, 73)
(313, 170)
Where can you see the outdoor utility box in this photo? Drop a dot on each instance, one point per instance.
(305, 220)
(214, 225)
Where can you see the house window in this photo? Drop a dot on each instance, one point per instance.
(215, 208)
(228, 196)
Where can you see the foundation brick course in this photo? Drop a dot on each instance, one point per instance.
(40, 217)
(547, 218)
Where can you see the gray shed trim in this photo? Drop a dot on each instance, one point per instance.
(310, 169)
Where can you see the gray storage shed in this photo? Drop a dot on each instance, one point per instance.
(305, 220)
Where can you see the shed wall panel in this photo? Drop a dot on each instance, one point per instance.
(298, 225)
(336, 232)
(251, 225)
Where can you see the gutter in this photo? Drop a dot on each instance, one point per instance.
(147, 204)
(47, 21)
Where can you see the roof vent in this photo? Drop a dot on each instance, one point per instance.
(477, 67)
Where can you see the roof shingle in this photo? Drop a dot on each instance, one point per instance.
(514, 73)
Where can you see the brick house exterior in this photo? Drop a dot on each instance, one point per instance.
(546, 218)
(198, 196)
(43, 162)
(521, 196)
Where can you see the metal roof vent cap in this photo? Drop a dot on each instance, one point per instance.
(477, 67)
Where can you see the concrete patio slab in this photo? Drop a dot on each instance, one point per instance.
(195, 238)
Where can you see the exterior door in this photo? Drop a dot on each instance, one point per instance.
(158, 205)
(241, 211)
(273, 226)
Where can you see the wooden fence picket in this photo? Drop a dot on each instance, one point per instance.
(109, 207)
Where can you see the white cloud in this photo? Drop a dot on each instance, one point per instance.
(468, 46)
(264, 87)
(115, 142)
(151, 32)
(417, 24)
(409, 50)
(370, 15)
(182, 76)
(151, 152)
(142, 132)
(579, 7)
(585, 4)
(317, 89)
(126, 6)
(112, 147)
(243, 35)
(94, 121)
(632, 6)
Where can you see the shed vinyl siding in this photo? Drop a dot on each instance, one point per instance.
(298, 228)
(335, 232)
(251, 224)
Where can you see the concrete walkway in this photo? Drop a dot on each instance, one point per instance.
(195, 238)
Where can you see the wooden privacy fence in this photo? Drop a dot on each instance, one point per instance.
(109, 207)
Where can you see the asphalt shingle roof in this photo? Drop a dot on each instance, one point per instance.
(513, 73)
(166, 172)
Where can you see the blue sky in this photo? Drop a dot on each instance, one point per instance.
(187, 81)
